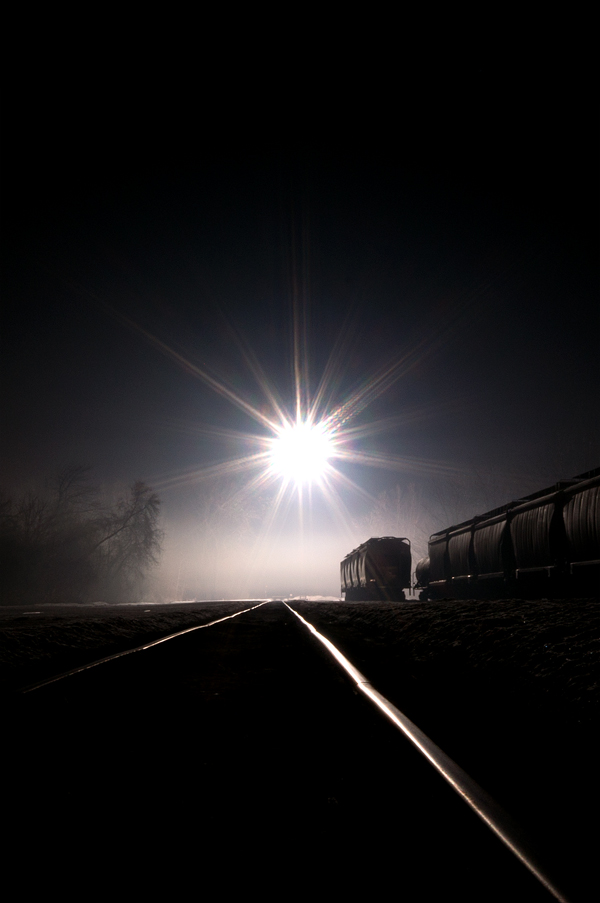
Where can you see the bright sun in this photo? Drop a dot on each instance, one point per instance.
(300, 451)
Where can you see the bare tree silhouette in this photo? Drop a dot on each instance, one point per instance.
(64, 545)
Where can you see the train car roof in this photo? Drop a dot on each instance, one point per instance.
(375, 539)
(556, 487)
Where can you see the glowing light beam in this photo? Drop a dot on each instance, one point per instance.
(300, 451)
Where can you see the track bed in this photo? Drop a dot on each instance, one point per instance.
(239, 739)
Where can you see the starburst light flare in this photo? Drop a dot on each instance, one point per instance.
(300, 451)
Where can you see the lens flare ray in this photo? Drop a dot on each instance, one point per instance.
(302, 451)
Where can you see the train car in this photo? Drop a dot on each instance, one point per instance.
(541, 546)
(378, 570)
(581, 518)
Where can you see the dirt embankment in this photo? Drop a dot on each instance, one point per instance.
(35, 646)
(509, 689)
(548, 650)
(541, 657)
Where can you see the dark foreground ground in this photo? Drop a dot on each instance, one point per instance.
(241, 753)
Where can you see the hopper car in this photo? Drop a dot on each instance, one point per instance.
(378, 570)
(545, 545)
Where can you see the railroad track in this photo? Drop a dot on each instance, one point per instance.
(284, 699)
(149, 645)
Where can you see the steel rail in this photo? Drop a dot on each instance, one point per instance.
(488, 810)
(110, 658)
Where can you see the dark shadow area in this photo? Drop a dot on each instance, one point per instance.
(242, 751)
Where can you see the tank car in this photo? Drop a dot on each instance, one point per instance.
(544, 545)
(378, 570)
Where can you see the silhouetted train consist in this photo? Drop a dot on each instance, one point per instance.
(545, 545)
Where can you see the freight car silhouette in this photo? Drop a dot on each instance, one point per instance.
(378, 570)
(546, 545)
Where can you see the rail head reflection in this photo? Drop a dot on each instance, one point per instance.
(485, 807)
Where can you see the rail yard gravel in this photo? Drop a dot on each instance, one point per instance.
(509, 689)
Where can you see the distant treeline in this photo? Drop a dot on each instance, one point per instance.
(66, 545)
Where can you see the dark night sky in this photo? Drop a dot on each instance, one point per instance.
(450, 219)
